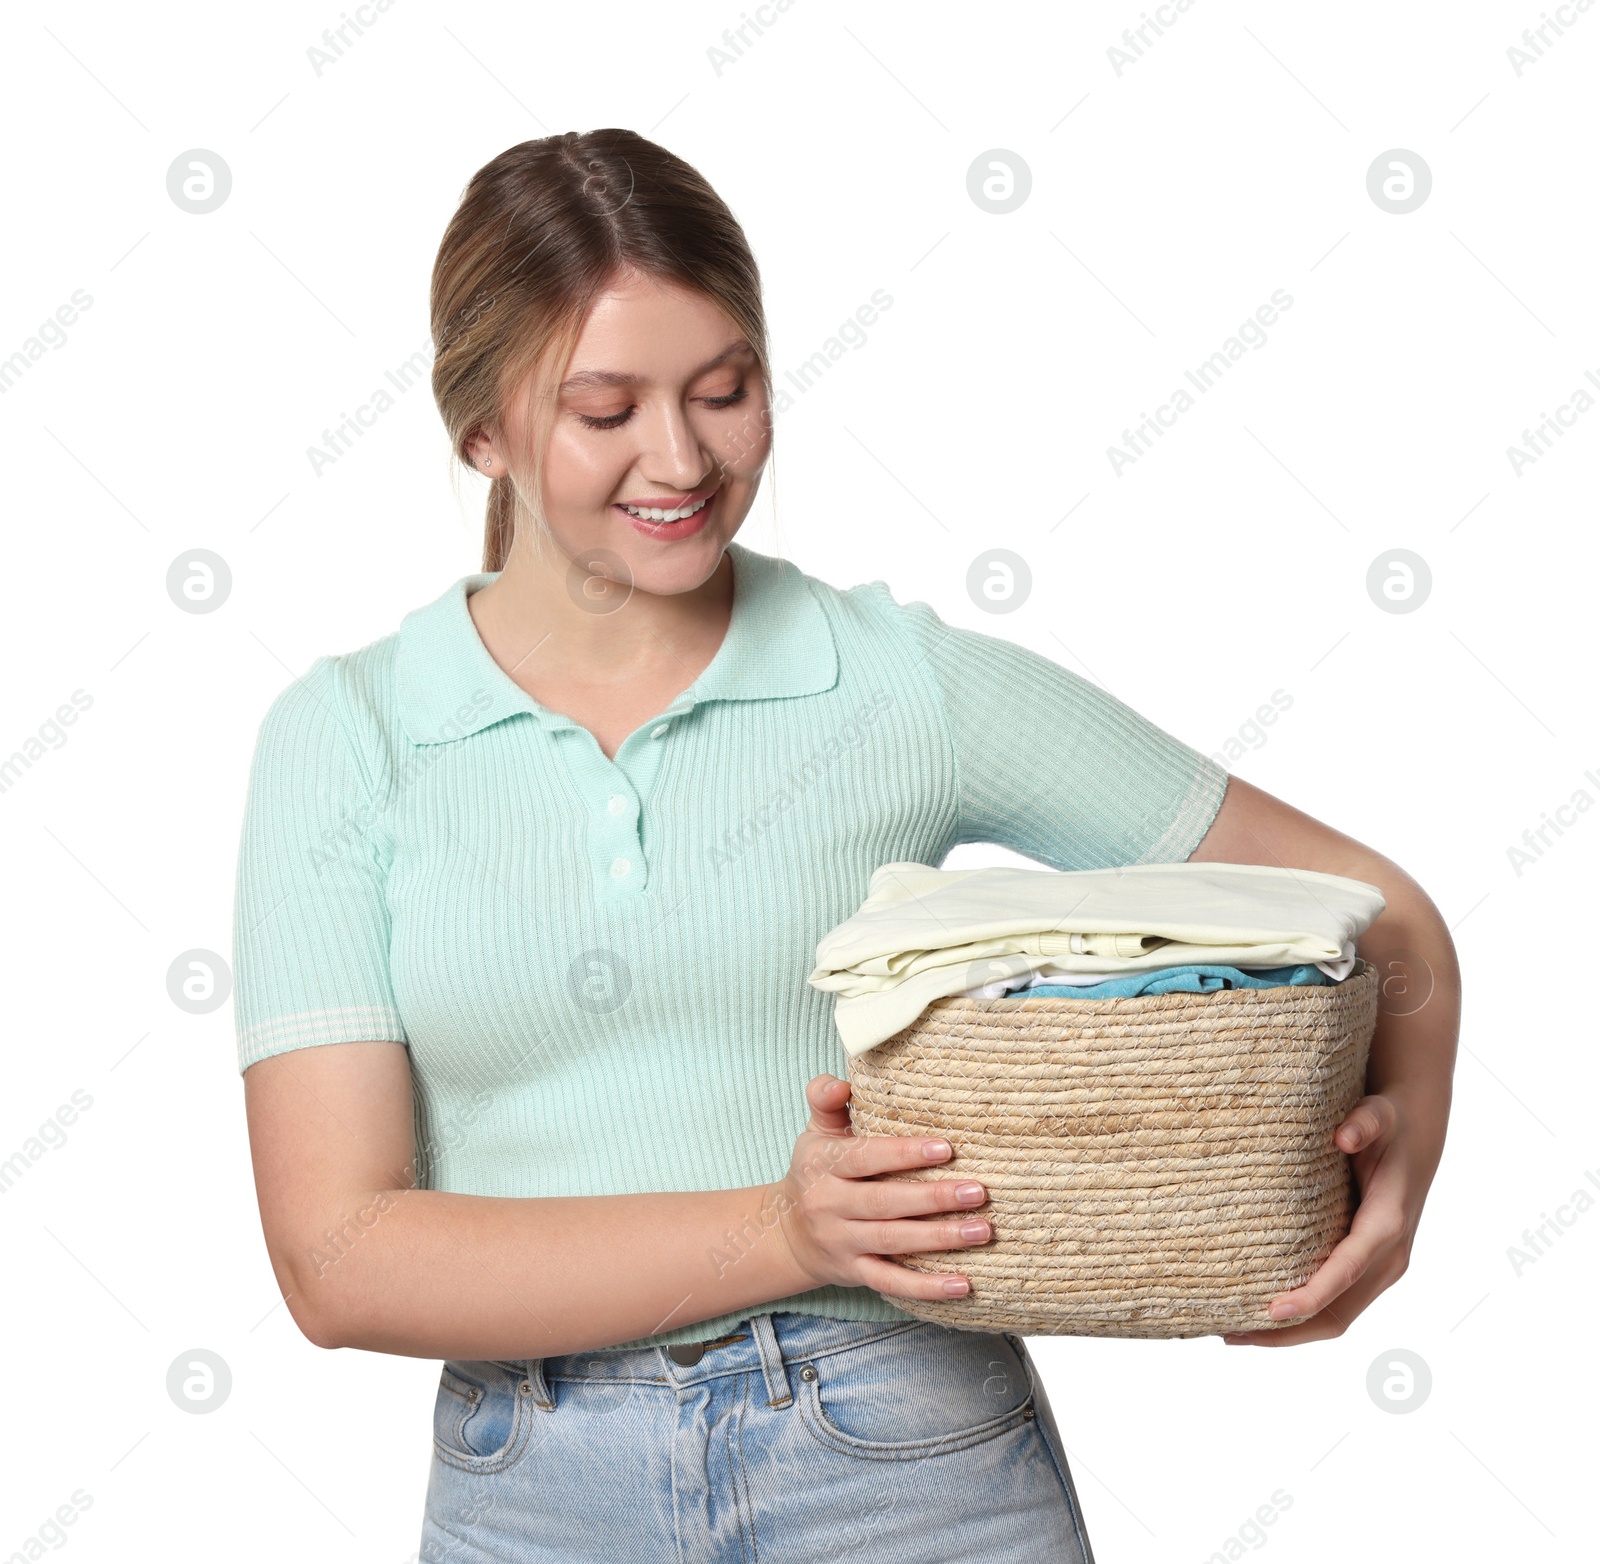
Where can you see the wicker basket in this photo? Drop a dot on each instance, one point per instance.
(1157, 1165)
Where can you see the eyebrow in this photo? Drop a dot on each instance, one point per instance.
(615, 377)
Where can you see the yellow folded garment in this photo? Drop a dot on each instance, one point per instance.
(923, 933)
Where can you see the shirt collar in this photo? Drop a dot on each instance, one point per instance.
(778, 643)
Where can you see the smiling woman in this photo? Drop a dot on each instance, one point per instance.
(528, 893)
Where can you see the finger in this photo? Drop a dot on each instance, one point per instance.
(1329, 1322)
(829, 1098)
(899, 1282)
(1368, 1124)
(921, 1235)
(1322, 1326)
(890, 1199)
(868, 1155)
(1375, 1229)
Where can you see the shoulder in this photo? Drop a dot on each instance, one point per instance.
(352, 687)
(339, 718)
(952, 654)
(870, 611)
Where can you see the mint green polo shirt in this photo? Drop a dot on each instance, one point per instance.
(599, 966)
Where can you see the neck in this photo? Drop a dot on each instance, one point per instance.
(547, 615)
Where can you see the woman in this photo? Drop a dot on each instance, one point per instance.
(528, 894)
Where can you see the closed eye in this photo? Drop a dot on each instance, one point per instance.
(617, 420)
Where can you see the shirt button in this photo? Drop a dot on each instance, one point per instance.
(617, 803)
(656, 732)
(620, 867)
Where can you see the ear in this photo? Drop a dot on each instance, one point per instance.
(482, 455)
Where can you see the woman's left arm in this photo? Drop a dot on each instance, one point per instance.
(1395, 1134)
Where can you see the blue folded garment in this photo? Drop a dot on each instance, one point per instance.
(1177, 980)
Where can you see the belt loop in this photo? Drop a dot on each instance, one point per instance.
(541, 1394)
(772, 1369)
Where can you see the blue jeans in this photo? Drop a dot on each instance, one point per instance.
(792, 1440)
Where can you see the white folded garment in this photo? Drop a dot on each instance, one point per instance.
(923, 933)
(1337, 970)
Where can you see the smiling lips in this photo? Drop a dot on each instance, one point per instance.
(670, 511)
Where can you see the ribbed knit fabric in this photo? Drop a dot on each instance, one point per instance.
(599, 966)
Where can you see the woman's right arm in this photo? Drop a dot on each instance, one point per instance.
(365, 1259)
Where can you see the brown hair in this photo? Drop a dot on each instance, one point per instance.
(542, 230)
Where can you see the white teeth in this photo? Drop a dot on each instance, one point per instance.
(666, 515)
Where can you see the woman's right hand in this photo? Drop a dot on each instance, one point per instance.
(839, 1221)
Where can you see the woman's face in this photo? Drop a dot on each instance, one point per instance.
(662, 407)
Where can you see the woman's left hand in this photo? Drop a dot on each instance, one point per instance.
(1379, 1136)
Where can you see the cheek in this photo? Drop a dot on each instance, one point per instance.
(743, 446)
(582, 470)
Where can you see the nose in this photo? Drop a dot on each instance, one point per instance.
(670, 452)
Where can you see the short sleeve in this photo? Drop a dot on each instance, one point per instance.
(311, 921)
(1054, 767)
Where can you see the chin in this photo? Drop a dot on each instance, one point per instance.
(679, 569)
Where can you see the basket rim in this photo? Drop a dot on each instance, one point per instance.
(1282, 994)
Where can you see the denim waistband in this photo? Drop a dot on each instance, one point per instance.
(762, 1342)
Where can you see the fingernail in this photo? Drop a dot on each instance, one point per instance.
(1282, 1310)
(955, 1286)
(934, 1150)
(973, 1231)
(969, 1194)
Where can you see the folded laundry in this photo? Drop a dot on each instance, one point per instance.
(923, 933)
(1193, 979)
(1321, 971)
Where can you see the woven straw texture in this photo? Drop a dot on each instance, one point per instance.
(1156, 1165)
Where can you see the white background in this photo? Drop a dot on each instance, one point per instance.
(1231, 561)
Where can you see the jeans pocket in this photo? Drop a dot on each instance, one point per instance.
(915, 1394)
(482, 1416)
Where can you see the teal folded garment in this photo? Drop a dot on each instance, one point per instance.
(1178, 980)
